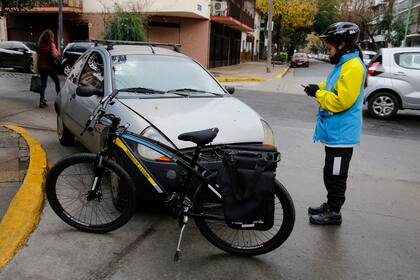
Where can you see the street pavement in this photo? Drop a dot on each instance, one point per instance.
(379, 237)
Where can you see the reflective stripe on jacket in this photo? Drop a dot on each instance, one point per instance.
(339, 119)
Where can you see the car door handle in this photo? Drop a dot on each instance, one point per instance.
(400, 74)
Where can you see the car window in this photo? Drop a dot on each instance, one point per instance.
(31, 46)
(93, 72)
(408, 60)
(161, 73)
(376, 58)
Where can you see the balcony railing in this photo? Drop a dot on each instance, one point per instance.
(236, 11)
(66, 3)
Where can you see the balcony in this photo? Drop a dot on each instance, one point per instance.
(69, 6)
(232, 14)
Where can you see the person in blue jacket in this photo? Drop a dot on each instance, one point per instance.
(339, 119)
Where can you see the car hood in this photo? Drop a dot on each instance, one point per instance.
(237, 123)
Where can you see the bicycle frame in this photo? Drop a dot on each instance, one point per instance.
(191, 165)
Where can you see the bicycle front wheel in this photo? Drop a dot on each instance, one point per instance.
(244, 242)
(69, 192)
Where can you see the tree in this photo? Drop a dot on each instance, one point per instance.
(328, 12)
(314, 42)
(14, 6)
(127, 25)
(365, 13)
(292, 18)
(392, 27)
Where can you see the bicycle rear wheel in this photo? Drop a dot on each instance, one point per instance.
(244, 242)
(68, 190)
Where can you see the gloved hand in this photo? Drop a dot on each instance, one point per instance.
(311, 89)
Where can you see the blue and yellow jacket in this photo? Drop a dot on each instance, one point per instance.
(339, 120)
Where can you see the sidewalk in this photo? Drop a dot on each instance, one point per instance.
(23, 166)
(14, 160)
(249, 72)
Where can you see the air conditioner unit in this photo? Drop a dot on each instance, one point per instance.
(219, 8)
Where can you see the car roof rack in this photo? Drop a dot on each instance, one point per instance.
(110, 44)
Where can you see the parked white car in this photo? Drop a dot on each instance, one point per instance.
(393, 82)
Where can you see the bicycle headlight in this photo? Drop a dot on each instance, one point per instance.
(268, 134)
(153, 134)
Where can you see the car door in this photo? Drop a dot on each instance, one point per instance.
(406, 77)
(78, 109)
(21, 55)
(6, 55)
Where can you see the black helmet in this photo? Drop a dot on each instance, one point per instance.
(341, 31)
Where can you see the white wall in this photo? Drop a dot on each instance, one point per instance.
(189, 8)
(3, 29)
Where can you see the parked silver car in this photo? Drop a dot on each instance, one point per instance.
(163, 93)
(393, 82)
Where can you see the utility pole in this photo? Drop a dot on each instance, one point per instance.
(407, 22)
(270, 29)
(60, 26)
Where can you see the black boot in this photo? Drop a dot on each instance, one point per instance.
(326, 218)
(313, 210)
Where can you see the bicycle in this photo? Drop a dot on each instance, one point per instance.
(93, 193)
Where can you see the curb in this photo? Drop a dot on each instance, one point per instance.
(24, 211)
(252, 79)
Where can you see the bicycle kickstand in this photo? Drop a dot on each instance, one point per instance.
(184, 223)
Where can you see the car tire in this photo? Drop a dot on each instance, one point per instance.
(383, 105)
(31, 67)
(67, 69)
(64, 135)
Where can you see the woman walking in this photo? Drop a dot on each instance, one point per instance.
(47, 53)
(339, 120)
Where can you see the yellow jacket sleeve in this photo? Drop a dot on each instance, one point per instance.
(348, 87)
(321, 85)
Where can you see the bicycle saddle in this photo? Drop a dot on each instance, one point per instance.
(201, 137)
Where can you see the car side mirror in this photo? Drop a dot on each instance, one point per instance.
(230, 89)
(87, 91)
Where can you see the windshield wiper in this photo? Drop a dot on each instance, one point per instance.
(142, 90)
(191, 90)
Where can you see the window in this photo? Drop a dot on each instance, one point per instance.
(93, 72)
(408, 60)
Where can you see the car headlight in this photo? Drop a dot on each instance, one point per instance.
(268, 134)
(148, 153)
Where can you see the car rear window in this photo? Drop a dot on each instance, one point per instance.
(408, 60)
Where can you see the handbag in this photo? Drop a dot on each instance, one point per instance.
(35, 84)
(247, 183)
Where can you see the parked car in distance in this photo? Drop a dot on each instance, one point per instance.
(18, 55)
(367, 56)
(72, 52)
(162, 94)
(393, 82)
(299, 59)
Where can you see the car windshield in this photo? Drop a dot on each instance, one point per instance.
(368, 56)
(161, 76)
(300, 55)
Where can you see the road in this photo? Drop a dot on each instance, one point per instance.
(379, 237)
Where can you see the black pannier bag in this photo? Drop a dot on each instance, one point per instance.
(247, 183)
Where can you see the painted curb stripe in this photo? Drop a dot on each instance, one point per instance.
(251, 79)
(24, 211)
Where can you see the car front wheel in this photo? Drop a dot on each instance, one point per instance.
(64, 135)
(67, 69)
(383, 105)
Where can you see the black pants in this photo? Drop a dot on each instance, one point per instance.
(44, 76)
(336, 168)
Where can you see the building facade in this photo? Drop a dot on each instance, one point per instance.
(232, 24)
(401, 9)
(214, 32)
